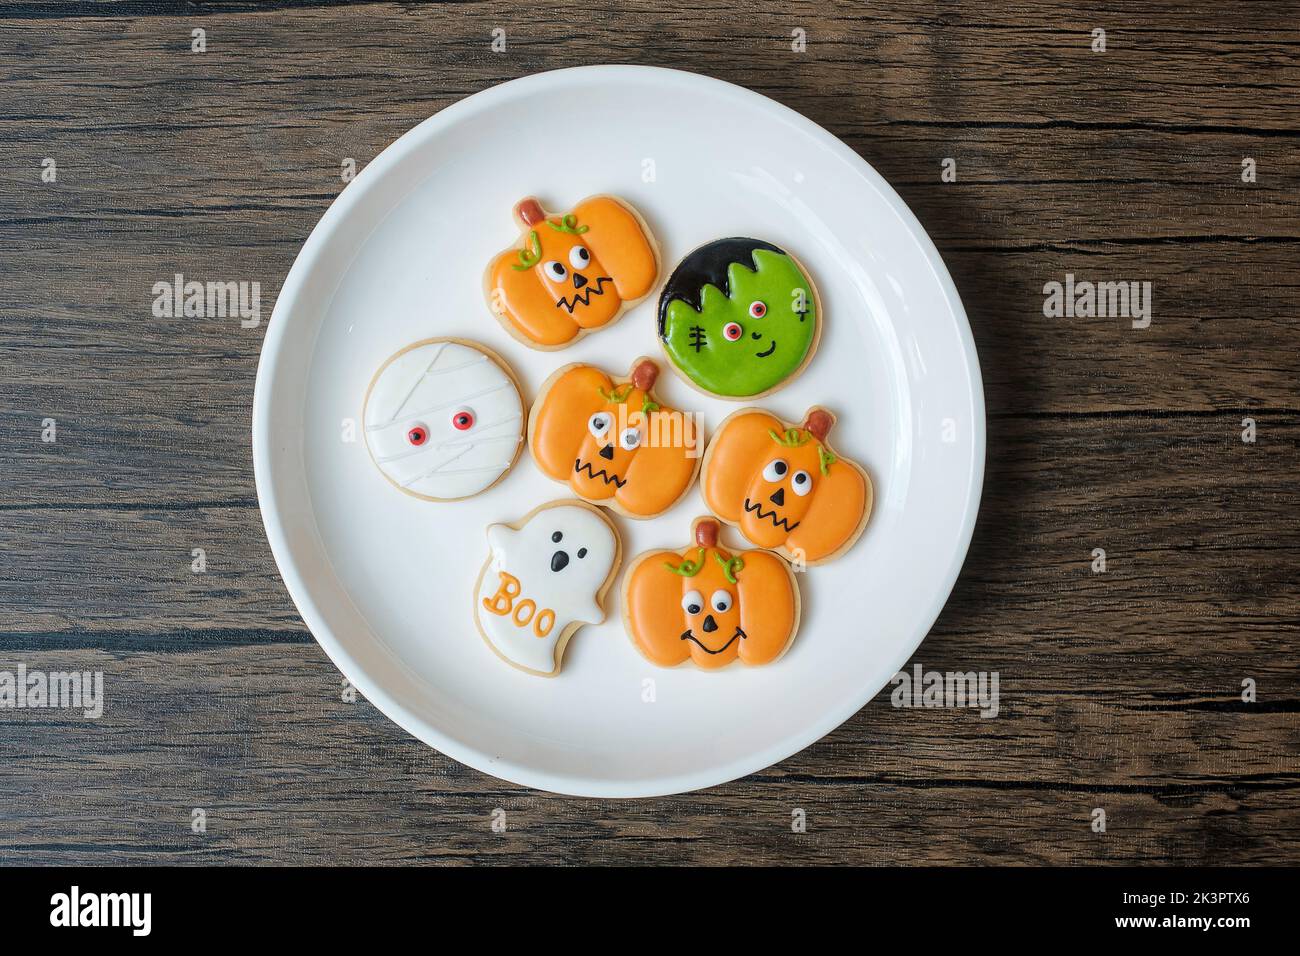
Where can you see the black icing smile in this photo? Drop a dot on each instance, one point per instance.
(770, 516)
(591, 287)
(610, 479)
(688, 636)
(767, 351)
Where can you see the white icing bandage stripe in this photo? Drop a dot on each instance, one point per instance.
(442, 347)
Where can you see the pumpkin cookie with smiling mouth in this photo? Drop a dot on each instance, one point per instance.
(573, 273)
(710, 605)
(784, 487)
(739, 318)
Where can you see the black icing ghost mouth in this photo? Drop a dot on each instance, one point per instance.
(609, 478)
(756, 508)
(589, 288)
(688, 636)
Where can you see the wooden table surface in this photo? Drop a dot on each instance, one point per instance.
(1120, 691)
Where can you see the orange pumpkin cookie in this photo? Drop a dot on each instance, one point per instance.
(571, 274)
(710, 605)
(784, 487)
(611, 441)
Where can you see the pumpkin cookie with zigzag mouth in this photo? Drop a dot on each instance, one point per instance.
(571, 274)
(784, 487)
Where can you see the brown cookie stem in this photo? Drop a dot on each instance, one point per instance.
(706, 533)
(644, 374)
(818, 423)
(529, 211)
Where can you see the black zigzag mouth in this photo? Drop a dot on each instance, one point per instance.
(610, 479)
(595, 287)
(770, 516)
(688, 636)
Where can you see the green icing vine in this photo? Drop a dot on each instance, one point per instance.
(618, 395)
(529, 258)
(568, 224)
(730, 566)
(688, 568)
(793, 437)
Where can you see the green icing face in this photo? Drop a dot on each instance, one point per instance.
(749, 342)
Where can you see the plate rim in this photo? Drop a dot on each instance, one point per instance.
(268, 504)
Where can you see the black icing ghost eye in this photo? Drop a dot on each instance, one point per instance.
(463, 420)
(582, 552)
(555, 270)
(556, 537)
(417, 435)
(775, 470)
(598, 424)
(757, 309)
(579, 257)
(801, 483)
(732, 331)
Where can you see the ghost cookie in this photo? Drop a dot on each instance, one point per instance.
(612, 441)
(546, 575)
(739, 318)
(571, 274)
(443, 419)
(709, 605)
(783, 486)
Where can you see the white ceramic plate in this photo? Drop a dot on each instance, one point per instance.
(384, 580)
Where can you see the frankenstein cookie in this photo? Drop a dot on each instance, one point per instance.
(739, 318)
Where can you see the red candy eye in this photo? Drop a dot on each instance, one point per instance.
(732, 331)
(417, 435)
(463, 420)
(758, 309)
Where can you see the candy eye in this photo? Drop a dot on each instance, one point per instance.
(417, 435)
(801, 483)
(721, 601)
(757, 309)
(775, 470)
(598, 424)
(463, 420)
(692, 602)
(732, 331)
(555, 270)
(630, 438)
(579, 257)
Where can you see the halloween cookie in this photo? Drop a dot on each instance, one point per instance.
(739, 318)
(571, 274)
(784, 487)
(546, 575)
(710, 605)
(611, 441)
(444, 419)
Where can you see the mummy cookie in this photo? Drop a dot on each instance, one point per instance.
(710, 605)
(546, 576)
(611, 441)
(739, 318)
(571, 274)
(443, 419)
(783, 486)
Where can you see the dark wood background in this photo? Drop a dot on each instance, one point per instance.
(1120, 691)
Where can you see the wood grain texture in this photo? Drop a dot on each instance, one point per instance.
(1119, 690)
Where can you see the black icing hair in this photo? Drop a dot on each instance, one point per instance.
(708, 265)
